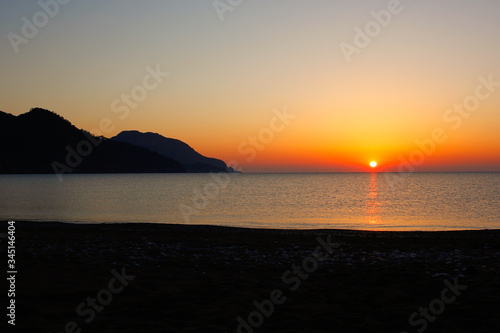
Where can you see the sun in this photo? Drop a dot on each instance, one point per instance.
(373, 164)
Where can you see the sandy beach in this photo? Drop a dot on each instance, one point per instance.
(179, 278)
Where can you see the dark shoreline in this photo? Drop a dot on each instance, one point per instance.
(150, 226)
(202, 278)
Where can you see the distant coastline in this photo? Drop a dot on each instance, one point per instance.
(42, 142)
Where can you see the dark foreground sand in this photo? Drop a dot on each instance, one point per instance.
(201, 279)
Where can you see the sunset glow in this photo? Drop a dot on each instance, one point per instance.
(422, 100)
(212, 154)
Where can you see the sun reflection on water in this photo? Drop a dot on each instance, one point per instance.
(372, 203)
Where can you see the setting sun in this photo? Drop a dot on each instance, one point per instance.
(373, 164)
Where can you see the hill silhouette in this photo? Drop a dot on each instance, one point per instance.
(174, 149)
(40, 141)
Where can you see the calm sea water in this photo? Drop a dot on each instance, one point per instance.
(420, 201)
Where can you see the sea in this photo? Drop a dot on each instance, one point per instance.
(362, 201)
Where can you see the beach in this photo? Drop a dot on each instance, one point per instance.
(182, 278)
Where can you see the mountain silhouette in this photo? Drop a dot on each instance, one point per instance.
(40, 141)
(174, 149)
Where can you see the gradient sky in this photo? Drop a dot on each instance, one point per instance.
(227, 77)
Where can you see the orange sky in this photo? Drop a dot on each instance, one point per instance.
(226, 78)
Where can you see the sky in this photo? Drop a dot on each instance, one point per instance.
(274, 86)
